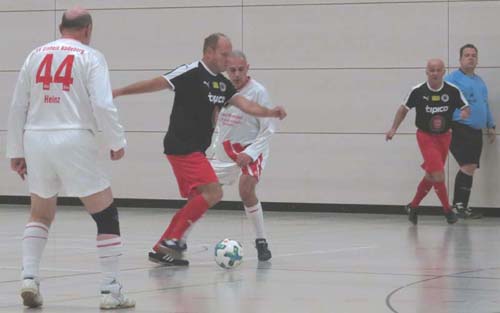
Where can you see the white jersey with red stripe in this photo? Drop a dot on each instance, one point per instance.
(238, 132)
(63, 85)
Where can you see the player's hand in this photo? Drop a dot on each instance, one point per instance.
(464, 114)
(390, 134)
(243, 159)
(492, 135)
(116, 93)
(279, 112)
(116, 155)
(18, 165)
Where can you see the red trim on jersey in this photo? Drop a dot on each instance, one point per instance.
(191, 170)
(434, 149)
(253, 169)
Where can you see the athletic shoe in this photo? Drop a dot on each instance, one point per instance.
(263, 252)
(412, 214)
(30, 292)
(451, 217)
(166, 259)
(112, 297)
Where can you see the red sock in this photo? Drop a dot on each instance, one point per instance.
(187, 215)
(442, 195)
(422, 190)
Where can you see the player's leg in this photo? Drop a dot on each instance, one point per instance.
(198, 181)
(109, 247)
(79, 169)
(43, 186)
(253, 211)
(35, 238)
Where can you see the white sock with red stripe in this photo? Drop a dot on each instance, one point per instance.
(109, 250)
(255, 215)
(34, 240)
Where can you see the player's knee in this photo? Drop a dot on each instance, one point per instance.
(107, 221)
(468, 169)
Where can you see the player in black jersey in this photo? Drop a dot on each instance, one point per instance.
(200, 91)
(435, 101)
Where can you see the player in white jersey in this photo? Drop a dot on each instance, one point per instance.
(62, 95)
(241, 146)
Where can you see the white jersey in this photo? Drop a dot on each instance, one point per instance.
(238, 132)
(63, 85)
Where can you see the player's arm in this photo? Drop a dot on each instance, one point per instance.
(105, 111)
(253, 108)
(398, 119)
(144, 86)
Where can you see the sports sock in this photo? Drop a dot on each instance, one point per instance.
(34, 240)
(255, 215)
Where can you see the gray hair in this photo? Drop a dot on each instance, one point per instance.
(239, 54)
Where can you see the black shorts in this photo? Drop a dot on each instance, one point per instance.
(466, 144)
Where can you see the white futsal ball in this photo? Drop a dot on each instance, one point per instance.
(228, 253)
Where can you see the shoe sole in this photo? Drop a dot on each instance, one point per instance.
(123, 306)
(29, 298)
(153, 257)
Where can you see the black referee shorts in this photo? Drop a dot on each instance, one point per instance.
(466, 144)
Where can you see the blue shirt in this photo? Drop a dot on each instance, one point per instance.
(474, 90)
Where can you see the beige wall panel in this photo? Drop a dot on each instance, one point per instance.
(30, 29)
(345, 36)
(7, 84)
(32, 5)
(117, 4)
(361, 169)
(346, 101)
(161, 38)
(146, 112)
(475, 22)
(144, 172)
(317, 2)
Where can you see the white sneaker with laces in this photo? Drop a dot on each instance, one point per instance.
(30, 292)
(112, 297)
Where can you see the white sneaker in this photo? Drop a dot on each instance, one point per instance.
(112, 298)
(30, 292)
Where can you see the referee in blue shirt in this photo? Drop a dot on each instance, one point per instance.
(467, 137)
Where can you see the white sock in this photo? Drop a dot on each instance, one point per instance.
(34, 240)
(109, 251)
(254, 214)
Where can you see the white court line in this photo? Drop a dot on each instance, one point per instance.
(286, 255)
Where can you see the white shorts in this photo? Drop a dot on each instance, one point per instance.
(229, 172)
(63, 159)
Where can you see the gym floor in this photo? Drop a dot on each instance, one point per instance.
(322, 262)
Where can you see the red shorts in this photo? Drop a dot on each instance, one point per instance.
(191, 170)
(434, 148)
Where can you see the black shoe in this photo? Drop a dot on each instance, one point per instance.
(263, 253)
(171, 247)
(451, 217)
(165, 259)
(467, 213)
(412, 214)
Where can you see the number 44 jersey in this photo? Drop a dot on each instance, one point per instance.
(63, 85)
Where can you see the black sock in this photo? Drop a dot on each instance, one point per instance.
(463, 185)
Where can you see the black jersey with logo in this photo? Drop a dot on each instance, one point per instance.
(434, 108)
(197, 92)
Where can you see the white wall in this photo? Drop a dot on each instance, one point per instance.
(340, 67)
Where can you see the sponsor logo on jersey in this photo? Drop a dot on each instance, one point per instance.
(437, 123)
(215, 99)
(434, 110)
(222, 86)
(215, 85)
(206, 84)
(435, 98)
(426, 98)
(445, 98)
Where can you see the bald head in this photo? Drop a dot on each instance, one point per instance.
(435, 72)
(75, 19)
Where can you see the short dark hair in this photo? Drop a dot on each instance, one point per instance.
(212, 40)
(469, 45)
(78, 22)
